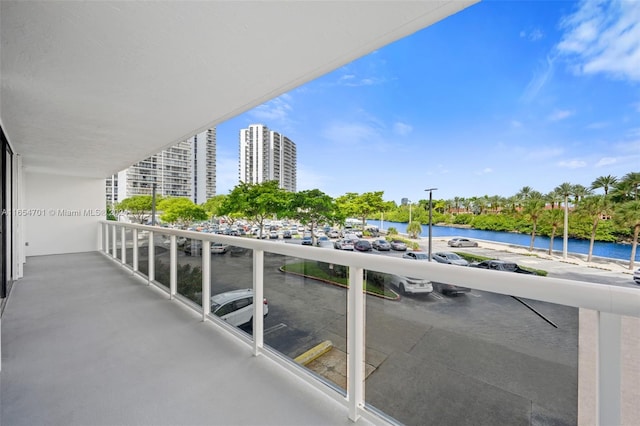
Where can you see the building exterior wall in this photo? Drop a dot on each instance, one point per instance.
(64, 213)
(267, 155)
(187, 169)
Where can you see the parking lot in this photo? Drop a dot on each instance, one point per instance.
(430, 357)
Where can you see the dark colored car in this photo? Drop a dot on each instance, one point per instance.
(450, 258)
(398, 245)
(450, 289)
(500, 265)
(381, 245)
(286, 234)
(362, 245)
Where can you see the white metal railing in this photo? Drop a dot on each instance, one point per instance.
(611, 302)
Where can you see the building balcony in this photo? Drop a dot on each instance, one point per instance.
(122, 336)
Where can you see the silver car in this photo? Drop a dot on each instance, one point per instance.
(450, 258)
(461, 242)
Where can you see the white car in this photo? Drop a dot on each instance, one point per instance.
(636, 276)
(219, 248)
(409, 285)
(236, 307)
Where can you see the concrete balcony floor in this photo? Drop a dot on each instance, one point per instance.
(86, 343)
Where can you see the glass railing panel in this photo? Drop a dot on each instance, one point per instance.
(441, 354)
(143, 252)
(162, 258)
(119, 243)
(189, 269)
(307, 314)
(128, 246)
(232, 285)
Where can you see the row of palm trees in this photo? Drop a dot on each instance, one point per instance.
(620, 201)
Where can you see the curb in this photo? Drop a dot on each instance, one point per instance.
(314, 353)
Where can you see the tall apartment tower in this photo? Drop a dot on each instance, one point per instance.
(267, 155)
(187, 169)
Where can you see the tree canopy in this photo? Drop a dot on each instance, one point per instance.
(138, 206)
(180, 209)
(361, 206)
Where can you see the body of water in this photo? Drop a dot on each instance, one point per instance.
(600, 249)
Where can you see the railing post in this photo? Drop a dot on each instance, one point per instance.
(114, 241)
(355, 342)
(173, 260)
(134, 238)
(609, 390)
(106, 238)
(152, 258)
(123, 245)
(258, 305)
(206, 279)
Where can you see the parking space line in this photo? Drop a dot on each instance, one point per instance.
(274, 328)
(474, 295)
(436, 296)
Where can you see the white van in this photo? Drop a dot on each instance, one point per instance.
(236, 307)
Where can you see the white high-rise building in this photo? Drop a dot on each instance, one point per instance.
(187, 169)
(267, 155)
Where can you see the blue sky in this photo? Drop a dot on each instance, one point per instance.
(502, 95)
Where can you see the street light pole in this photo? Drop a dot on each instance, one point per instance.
(430, 217)
(410, 203)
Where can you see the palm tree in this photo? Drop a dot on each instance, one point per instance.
(579, 192)
(553, 198)
(565, 190)
(593, 207)
(604, 182)
(633, 180)
(534, 208)
(524, 193)
(628, 215)
(456, 204)
(554, 218)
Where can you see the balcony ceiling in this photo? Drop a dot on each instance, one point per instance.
(89, 88)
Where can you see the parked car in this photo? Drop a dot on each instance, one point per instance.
(273, 235)
(500, 265)
(286, 234)
(236, 307)
(636, 276)
(219, 248)
(323, 239)
(409, 285)
(307, 240)
(398, 245)
(381, 245)
(415, 255)
(343, 244)
(334, 234)
(450, 258)
(450, 289)
(362, 245)
(462, 242)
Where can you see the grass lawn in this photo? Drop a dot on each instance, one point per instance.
(311, 269)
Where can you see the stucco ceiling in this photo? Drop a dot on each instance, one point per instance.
(89, 88)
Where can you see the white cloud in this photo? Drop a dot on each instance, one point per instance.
(533, 35)
(603, 37)
(572, 164)
(560, 115)
(352, 133)
(226, 173)
(308, 178)
(275, 111)
(544, 153)
(599, 125)
(402, 129)
(485, 171)
(539, 79)
(606, 161)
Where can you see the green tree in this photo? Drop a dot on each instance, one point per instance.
(138, 206)
(414, 229)
(565, 190)
(313, 207)
(628, 215)
(593, 208)
(604, 182)
(212, 205)
(632, 180)
(181, 209)
(256, 202)
(533, 208)
(553, 218)
(361, 206)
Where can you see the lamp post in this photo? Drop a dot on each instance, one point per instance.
(410, 203)
(430, 217)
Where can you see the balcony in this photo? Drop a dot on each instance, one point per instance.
(128, 338)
